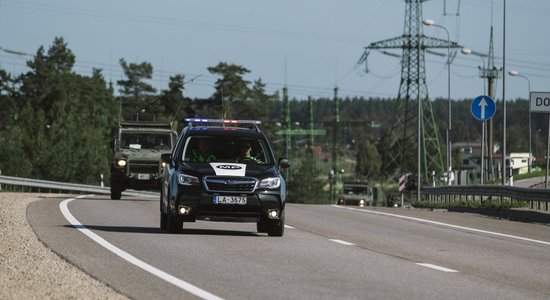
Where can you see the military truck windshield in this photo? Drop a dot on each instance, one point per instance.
(146, 140)
(349, 190)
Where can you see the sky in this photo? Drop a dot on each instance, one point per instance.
(310, 46)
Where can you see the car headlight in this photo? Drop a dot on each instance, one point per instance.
(270, 183)
(121, 163)
(187, 179)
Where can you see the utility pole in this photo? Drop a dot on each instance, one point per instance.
(288, 132)
(491, 73)
(287, 126)
(398, 157)
(335, 145)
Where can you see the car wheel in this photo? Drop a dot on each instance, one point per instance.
(116, 190)
(277, 227)
(174, 224)
(163, 215)
(262, 225)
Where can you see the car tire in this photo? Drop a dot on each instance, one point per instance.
(163, 215)
(262, 225)
(277, 227)
(116, 190)
(174, 224)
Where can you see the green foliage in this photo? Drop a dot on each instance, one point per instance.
(62, 123)
(307, 184)
(56, 124)
(369, 161)
(136, 93)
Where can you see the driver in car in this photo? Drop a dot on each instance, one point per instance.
(244, 153)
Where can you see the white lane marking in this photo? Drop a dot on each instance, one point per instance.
(447, 225)
(436, 267)
(131, 259)
(289, 227)
(342, 242)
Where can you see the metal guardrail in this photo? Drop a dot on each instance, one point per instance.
(64, 186)
(452, 193)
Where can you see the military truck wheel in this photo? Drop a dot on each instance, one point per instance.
(174, 224)
(116, 190)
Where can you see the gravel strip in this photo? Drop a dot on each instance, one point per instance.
(29, 270)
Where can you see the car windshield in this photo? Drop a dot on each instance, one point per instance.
(206, 149)
(146, 140)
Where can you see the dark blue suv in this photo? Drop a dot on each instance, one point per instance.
(219, 171)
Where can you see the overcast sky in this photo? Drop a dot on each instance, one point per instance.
(309, 45)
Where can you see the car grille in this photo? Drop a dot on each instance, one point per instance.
(143, 167)
(230, 184)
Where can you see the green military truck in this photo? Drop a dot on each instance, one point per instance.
(137, 148)
(356, 193)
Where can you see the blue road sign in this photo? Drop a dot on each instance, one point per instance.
(483, 108)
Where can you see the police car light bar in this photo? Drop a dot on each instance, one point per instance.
(222, 121)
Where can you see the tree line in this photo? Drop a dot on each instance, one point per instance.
(56, 124)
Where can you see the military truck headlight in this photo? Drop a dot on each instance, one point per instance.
(187, 180)
(270, 183)
(121, 163)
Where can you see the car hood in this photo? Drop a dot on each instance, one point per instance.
(229, 169)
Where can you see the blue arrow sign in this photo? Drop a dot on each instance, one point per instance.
(483, 108)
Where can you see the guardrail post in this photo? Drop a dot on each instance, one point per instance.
(101, 176)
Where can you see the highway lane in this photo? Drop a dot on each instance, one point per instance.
(331, 252)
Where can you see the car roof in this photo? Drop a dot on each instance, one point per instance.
(225, 131)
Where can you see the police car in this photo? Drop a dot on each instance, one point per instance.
(223, 170)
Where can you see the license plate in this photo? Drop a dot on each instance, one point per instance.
(240, 200)
(143, 176)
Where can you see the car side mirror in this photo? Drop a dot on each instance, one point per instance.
(166, 158)
(284, 163)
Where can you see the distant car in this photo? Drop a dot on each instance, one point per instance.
(358, 194)
(219, 171)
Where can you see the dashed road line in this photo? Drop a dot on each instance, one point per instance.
(342, 242)
(436, 267)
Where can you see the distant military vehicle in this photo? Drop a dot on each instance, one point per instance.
(356, 193)
(137, 148)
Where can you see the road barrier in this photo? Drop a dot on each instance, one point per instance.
(36, 185)
(537, 198)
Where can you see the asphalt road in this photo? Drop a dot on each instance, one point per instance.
(328, 252)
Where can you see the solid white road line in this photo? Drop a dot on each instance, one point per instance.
(439, 268)
(446, 225)
(131, 259)
(342, 242)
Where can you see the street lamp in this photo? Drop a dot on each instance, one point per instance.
(429, 22)
(518, 74)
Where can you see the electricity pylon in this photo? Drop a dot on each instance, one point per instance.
(400, 155)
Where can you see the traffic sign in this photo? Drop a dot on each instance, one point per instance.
(483, 108)
(540, 102)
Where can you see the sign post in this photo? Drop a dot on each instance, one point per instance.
(540, 103)
(483, 108)
(402, 184)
